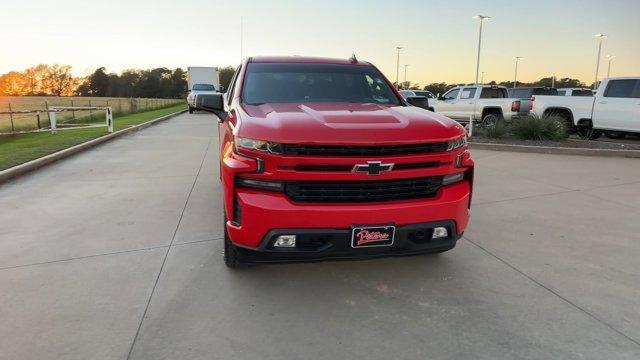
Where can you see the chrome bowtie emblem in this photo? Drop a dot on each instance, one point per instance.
(372, 167)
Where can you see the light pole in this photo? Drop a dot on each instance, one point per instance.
(600, 38)
(241, 37)
(405, 74)
(515, 76)
(398, 67)
(482, 18)
(553, 80)
(610, 57)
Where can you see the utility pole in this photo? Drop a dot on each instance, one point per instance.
(241, 38)
(398, 67)
(600, 38)
(515, 76)
(482, 18)
(405, 73)
(553, 80)
(610, 57)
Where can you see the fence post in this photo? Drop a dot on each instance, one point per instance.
(11, 118)
(73, 112)
(109, 115)
(90, 112)
(46, 108)
(52, 119)
(38, 119)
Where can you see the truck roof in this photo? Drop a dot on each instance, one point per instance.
(304, 60)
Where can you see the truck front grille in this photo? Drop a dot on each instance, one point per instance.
(362, 191)
(337, 150)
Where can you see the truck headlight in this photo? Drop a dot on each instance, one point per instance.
(457, 143)
(258, 145)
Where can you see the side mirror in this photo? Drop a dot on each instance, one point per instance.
(221, 89)
(418, 101)
(213, 103)
(441, 98)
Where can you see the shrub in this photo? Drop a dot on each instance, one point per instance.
(498, 130)
(533, 127)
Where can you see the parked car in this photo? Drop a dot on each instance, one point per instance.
(418, 98)
(486, 103)
(575, 92)
(425, 93)
(529, 92)
(201, 80)
(614, 110)
(323, 159)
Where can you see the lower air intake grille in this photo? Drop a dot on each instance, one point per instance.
(363, 191)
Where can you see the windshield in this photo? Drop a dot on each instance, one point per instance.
(204, 87)
(303, 83)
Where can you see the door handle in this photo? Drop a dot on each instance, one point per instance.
(602, 102)
(471, 103)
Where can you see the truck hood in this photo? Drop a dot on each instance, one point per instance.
(344, 123)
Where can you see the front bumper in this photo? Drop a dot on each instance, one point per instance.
(335, 244)
(263, 212)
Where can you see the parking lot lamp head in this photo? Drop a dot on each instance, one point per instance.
(482, 18)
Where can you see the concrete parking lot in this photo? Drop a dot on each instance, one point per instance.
(115, 254)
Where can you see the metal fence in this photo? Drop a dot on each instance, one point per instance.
(31, 113)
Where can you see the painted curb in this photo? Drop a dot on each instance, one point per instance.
(29, 166)
(556, 150)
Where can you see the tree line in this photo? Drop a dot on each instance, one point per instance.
(57, 80)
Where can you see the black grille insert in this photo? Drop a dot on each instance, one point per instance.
(363, 191)
(373, 150)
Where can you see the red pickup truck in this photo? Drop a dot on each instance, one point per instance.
(323, 159)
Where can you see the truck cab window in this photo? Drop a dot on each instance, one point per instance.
(493, 93)
(451, 94)
(468, 93)
(621, 88)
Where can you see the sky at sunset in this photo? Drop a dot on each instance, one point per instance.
(440, 37)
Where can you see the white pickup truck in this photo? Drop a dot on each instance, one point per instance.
(614, 110)
(486, 103)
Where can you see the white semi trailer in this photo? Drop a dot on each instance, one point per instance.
(201, 80)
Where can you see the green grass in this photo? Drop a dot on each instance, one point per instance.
(18, 149)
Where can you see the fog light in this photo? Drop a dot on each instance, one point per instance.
(452, 178)
(285, 241)
(439, 233)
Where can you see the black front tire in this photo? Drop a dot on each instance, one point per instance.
(232, 256)
(587, 132)
(491, 119)
(617, 135)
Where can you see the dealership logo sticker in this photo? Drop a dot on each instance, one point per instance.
(365, 237)
(372, 236)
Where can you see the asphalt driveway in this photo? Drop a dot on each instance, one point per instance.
(115, 254)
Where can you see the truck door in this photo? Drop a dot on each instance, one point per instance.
(447, 104)
(465, 106)
(618, 107)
